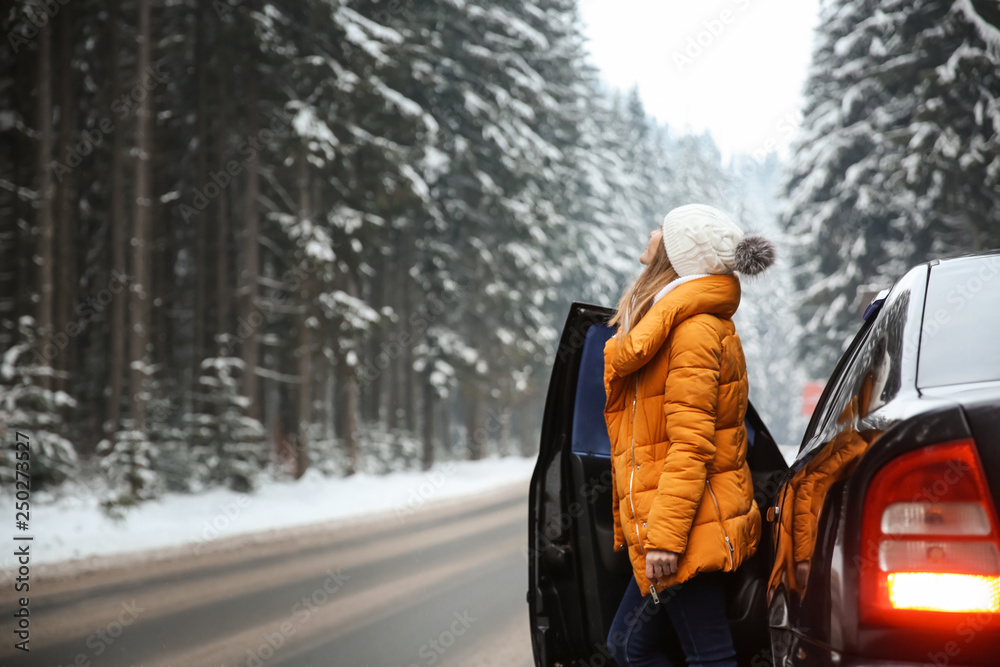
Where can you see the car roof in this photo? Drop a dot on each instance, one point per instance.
(964, 257)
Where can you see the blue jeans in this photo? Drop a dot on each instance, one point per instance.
(697, 611)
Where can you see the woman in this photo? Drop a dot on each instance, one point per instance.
(677, 389)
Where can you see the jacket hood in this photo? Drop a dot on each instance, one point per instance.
(713, 294)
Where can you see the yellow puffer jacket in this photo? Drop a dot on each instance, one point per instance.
(676, 400)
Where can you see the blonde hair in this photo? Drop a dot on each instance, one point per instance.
(638, 297)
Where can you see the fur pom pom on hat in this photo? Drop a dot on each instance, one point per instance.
(700, 239)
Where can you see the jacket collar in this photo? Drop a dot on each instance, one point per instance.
(673, 284)
(683, 298)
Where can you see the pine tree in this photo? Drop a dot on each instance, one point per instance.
(898, 161)
(610, 211)
(128, 463)
(827, 217)
(173, 459)
(952, 169)
(28, 405)
(384, 209)
(128, 457)
(227, 442)
(766, 320)
(700, 177)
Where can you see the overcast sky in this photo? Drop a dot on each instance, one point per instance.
(733, 67)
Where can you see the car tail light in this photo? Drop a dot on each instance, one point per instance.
(930, 540)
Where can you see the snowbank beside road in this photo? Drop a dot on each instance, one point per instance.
(73, 528)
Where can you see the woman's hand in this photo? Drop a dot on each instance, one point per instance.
(660, 563)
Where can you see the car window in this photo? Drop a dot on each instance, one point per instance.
(961, 318)
(590, 432)
(837, 399)
(873, 376)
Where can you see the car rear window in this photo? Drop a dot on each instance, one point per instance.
(959, 335)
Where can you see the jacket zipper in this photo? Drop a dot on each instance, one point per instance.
(631, 476)
(732, 564)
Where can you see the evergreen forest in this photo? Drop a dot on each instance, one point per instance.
(241, 239)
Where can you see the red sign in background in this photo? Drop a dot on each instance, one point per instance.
(811, 392)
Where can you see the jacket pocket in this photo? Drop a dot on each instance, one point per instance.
(722, 525)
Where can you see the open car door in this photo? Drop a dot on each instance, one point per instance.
(576, 579)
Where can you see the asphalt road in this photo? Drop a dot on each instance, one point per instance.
(444, 585)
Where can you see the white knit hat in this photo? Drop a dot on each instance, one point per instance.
(701, 239)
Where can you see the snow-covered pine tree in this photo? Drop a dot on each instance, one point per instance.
(455, 164)
(834, 213)
(227, 443)
(493, 245)
(28, 407)
(952, 169)
(532, 246)
(767, 322)
(651, 164)
(127, 461)
(699, 174)
(606, 215)
(897, 163)
(622, 176)
(140, 464)
(356, 151)
(172, 456)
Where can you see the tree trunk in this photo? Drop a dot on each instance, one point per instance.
(46, 189)
(476, 439)
(223, 287)
(352, 392)
(327, 401)
(64, 243)
(394, 392)
(200, 319)
(251, 258)
(338, 399)
(377, 339)
(506, 444)
(408, 377)
(527, 426)
(271, 407)
(141, 232)
(164, 248)
(305, 395)
(305, 340)
(116, 218)
(499, 418)
(447, 414)
(427, 455)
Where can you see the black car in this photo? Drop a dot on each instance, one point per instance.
(881, 544)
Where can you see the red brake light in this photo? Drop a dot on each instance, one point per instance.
(932, 591)
(929, 537)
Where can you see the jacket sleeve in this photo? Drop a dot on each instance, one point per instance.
(690, 402)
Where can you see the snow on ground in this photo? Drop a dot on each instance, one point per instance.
(75, 527)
